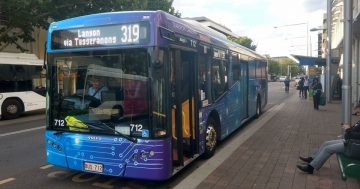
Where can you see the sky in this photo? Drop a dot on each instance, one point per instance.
(266, 22)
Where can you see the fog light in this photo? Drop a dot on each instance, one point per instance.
(151, 153)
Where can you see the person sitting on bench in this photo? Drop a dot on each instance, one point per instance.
(328, 148)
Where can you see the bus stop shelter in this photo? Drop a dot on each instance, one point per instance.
(310, 61)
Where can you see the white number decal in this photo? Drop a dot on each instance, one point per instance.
(136, 33)
(124, 31)
(131, 33)
(136, 127)
(130, 36)
(59, 122)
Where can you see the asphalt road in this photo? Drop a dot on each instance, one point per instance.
(23, 159)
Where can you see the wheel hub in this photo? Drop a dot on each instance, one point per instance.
(12, 109)
(210, 138)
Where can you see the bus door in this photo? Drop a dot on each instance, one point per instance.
(182, 76)
(244, 92)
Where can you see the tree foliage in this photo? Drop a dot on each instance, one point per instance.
(244, 41)
(283, 66)
(19, 17)
(274, 67)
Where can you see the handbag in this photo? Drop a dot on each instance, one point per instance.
(311, 92)
(352, 148)
(322, 100)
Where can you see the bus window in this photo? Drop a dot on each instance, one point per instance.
(122, 100)
(158, 98)
(203, 77)
(218, 78)
(236, 69)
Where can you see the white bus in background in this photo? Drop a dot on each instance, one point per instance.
(22, 86)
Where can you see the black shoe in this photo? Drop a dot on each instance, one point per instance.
(306, 159)
(306, 168)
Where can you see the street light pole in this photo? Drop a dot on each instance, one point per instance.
(346, 86)
(328, 55)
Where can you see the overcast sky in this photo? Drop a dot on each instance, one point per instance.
(257, 19)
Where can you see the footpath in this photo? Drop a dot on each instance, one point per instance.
(268, 158)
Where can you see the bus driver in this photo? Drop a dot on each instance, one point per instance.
(97, 87)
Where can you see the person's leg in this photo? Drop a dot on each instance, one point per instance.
(325, 144)
(305, 92)
(317, 100)
(316, 152)
(325, 153)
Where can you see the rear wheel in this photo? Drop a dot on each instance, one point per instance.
(11, 109)
(211, 138)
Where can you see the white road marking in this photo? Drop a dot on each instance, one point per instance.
(46, 166)
(6, 180)
(196, 177)
(22, 131)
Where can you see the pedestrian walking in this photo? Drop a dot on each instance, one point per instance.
(287, 84)
(301, 87)
(328, 148)
(306, 87)
(317, 90)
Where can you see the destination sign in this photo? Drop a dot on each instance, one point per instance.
(124, 34)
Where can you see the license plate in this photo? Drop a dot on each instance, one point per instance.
(94, 167)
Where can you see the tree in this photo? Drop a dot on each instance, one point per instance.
(18, 18)
(244, 41)
(282, 66)
(274, 67)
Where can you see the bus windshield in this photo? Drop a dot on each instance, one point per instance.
(103, 93)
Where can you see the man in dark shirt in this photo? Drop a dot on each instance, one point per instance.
(287, 84)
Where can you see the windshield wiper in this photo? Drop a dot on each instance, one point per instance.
(107, 127)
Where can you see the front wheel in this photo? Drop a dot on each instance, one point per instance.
(11, 109)
(211, 138)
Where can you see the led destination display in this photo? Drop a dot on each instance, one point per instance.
(124, 34)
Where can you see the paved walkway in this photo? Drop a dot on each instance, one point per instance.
(268, 158)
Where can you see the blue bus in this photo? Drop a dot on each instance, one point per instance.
(142, 94)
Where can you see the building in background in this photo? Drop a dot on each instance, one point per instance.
(337, 37)
(35, 49)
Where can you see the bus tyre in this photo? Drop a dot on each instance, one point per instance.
(11, 109)
(258, 108)
(210, 139)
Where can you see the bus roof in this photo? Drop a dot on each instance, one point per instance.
(20, 59)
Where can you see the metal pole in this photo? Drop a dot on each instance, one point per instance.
(307, 38)
(357, 68)
(358, 72)
(346, 86)
(328, 57)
